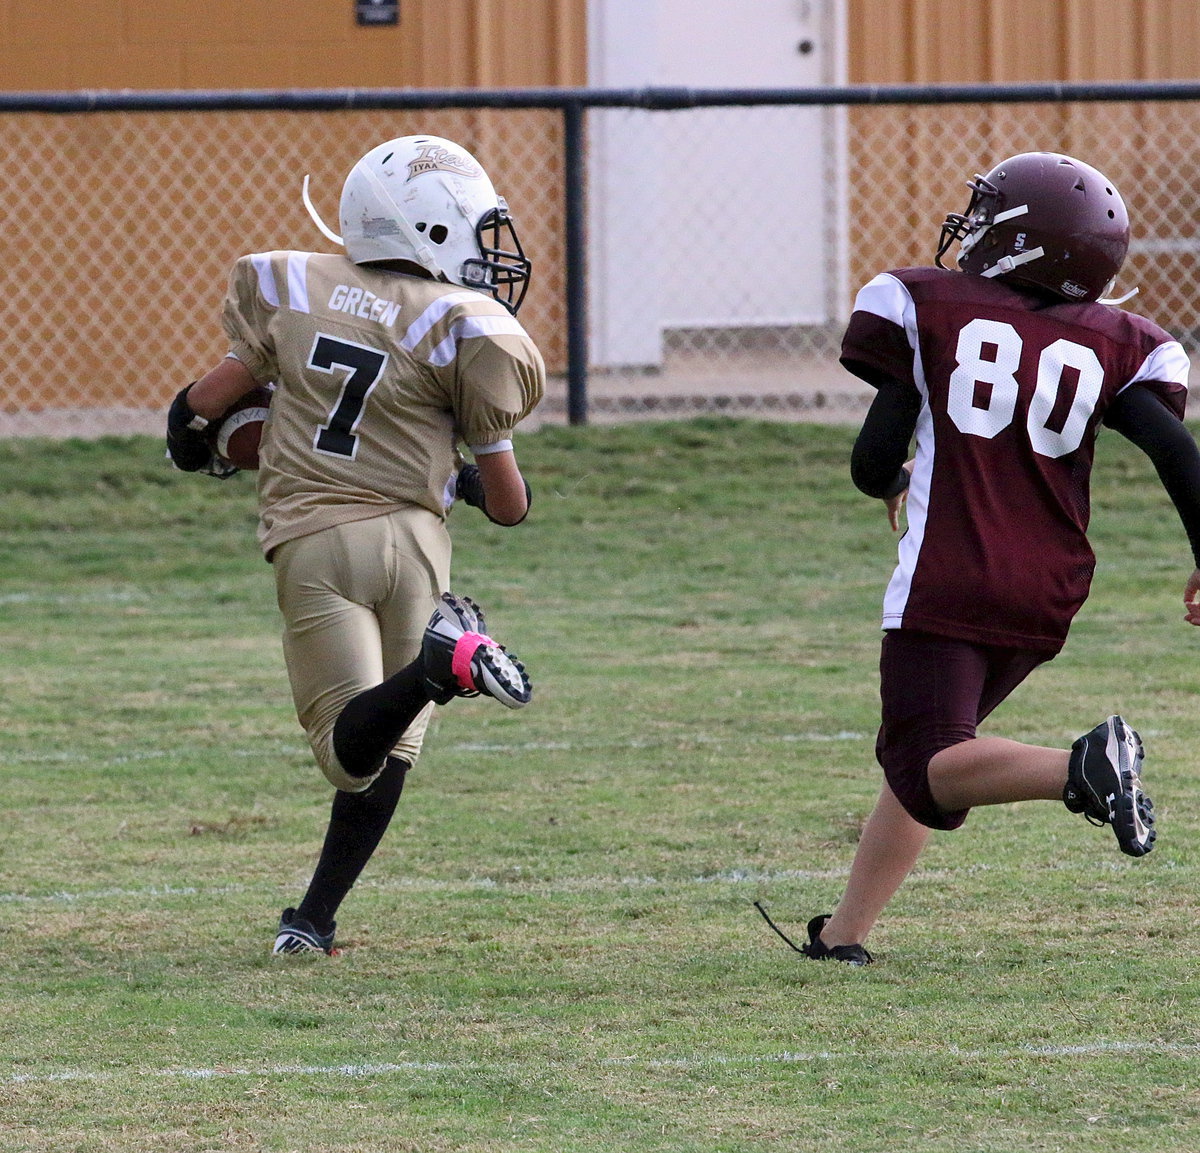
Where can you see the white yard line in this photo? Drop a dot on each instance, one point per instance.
(435, 885)
(85, 756)
(696, 1061)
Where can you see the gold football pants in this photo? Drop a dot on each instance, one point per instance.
(355, 600)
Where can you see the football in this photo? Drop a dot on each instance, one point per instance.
(235, 437)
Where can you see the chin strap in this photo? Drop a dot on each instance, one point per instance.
(1008, 263)
(326, 231)
(1120, 299)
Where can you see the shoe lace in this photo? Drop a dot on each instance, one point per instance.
(782, 934)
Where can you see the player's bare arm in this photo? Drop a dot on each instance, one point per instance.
(495, 486)
(506, 493)
(220, 387)
(895, 503)
(198, 404)
(1191, 598)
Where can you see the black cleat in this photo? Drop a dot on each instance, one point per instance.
(1104, 784)
(817, 950)
(297, 935)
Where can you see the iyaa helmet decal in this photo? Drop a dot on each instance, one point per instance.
(433, 157)
(1043, 220)
(427, 201)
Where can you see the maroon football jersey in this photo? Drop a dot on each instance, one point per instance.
(1013, 388)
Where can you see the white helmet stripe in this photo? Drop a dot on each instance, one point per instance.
(423, 253)
(1020, 210)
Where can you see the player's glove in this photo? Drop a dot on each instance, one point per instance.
(469, 489)
(187, 446)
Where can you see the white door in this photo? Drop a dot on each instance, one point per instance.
(709, 218)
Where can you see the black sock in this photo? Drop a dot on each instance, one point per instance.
(357, 823)
(371, 723)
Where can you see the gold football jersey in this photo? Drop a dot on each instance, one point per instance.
(378, 378)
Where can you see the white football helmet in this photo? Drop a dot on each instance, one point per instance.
(428, 201)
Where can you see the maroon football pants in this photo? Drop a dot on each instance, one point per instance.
(935, 691)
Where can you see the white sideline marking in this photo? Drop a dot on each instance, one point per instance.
(109, 597)
(231, 1071)
(693, 738)
(706, 1060)
(433, 885)
(62, 897)
(519, 884)
(83, 756)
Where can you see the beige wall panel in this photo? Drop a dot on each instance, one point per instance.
(1027, 42)
(1018, 41)
(264, 22)
(292, 43)
(433, 65)
(570, 44)
(169, 21)
(106, 66)
(879, 40)
(388, 62)
(1171, 39)
(235, 66)
(1103, 40)
(88, 66)
(52, 29)
(949, 40)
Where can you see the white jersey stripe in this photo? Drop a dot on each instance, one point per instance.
(895, 599)
(887, 297)
(266, 281)
(297, 275)
(466, 327)
(419, 329)
(1168, 362)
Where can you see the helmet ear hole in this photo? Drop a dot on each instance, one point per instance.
(438, 233)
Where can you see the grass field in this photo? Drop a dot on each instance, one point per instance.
(556, 948)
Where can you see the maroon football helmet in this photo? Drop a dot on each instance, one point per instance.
(1044, 220)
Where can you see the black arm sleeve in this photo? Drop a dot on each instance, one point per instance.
(882, 445)
(1139, 416)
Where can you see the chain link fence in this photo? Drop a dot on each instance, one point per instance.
(724, 244)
